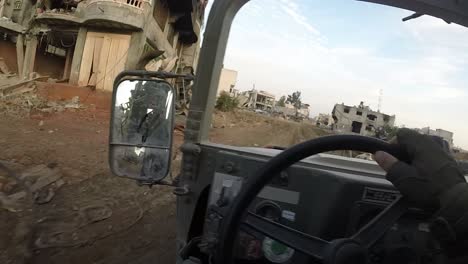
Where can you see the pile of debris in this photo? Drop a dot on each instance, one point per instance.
(39, 182)
(15, 99)
(19, 98)
(26, 101)
(11, 84)
(21, 190)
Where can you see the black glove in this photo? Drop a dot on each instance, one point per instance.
(432, 180)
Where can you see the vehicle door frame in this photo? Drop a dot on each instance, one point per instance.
(191, 184)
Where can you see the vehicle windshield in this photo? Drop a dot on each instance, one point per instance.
(295, 70)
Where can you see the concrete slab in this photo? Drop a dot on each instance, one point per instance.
(11, 26)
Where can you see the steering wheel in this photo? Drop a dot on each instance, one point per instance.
(338, 251)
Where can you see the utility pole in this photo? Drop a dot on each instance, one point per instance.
(380, 100)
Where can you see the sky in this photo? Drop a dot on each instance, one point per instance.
(344, 51)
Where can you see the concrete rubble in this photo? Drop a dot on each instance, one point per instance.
(12, 85)
(19, 97)
(24, 100)
(41, 182)
(21, 191)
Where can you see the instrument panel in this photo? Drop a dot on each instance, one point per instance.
(326, 196)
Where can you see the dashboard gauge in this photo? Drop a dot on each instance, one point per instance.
(276, 252)
(268, 210)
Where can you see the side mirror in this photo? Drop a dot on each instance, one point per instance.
(141, 128)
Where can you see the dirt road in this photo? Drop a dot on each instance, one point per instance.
(96, 217)
(77, 143)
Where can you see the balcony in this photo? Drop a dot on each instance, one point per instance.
(138, 4)
(117, 14)
(57, 17)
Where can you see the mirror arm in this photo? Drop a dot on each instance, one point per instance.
(163, 182)
(153, 74)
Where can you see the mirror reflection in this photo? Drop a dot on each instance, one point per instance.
(143, 113)
(141, 129)
(145, 164)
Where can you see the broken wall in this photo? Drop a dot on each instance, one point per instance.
(227, 80)
(48, 64)
(45, 63)
(8, 53)
(360, 120)
(18, 11)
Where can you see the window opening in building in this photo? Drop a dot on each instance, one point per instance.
(356, 127)
(372, 117)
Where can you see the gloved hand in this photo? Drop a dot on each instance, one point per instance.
(431, 172)
(432, 179)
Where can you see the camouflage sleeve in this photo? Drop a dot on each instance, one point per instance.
(450, 223)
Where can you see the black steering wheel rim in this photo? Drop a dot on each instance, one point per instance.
(255, 183)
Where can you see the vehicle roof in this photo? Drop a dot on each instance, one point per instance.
(452, 11)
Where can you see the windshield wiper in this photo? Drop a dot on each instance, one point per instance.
(416, 15)
(413, 16)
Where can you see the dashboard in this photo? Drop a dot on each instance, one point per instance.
(325, 195)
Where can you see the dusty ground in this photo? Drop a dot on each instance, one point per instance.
(77, 143)
(130, 224)
(245, 128)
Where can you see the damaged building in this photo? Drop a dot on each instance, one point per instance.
(87, 43)
(227, 82)
(324, 120)
(444, 134)
(257, 100)
(360, 119)
(289, 111)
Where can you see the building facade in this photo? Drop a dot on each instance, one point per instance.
(89, 42)
(446, 135)
(290, 112)
(227, 82)
(359, 119)
(324, 120)
(256, 99)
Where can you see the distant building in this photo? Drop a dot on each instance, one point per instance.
(259, 100)
(227, 82)
(446, 135)
(324, 120)
(360, 119)
(285, 110)
(289, 110)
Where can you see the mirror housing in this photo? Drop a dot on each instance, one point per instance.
(141, 126)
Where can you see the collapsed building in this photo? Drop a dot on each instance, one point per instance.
(324, 120)
(289, 111)
(252, 99)
(89, 42)
(360, 119)
(257, 100)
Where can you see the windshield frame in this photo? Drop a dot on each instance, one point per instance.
(215, 41)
